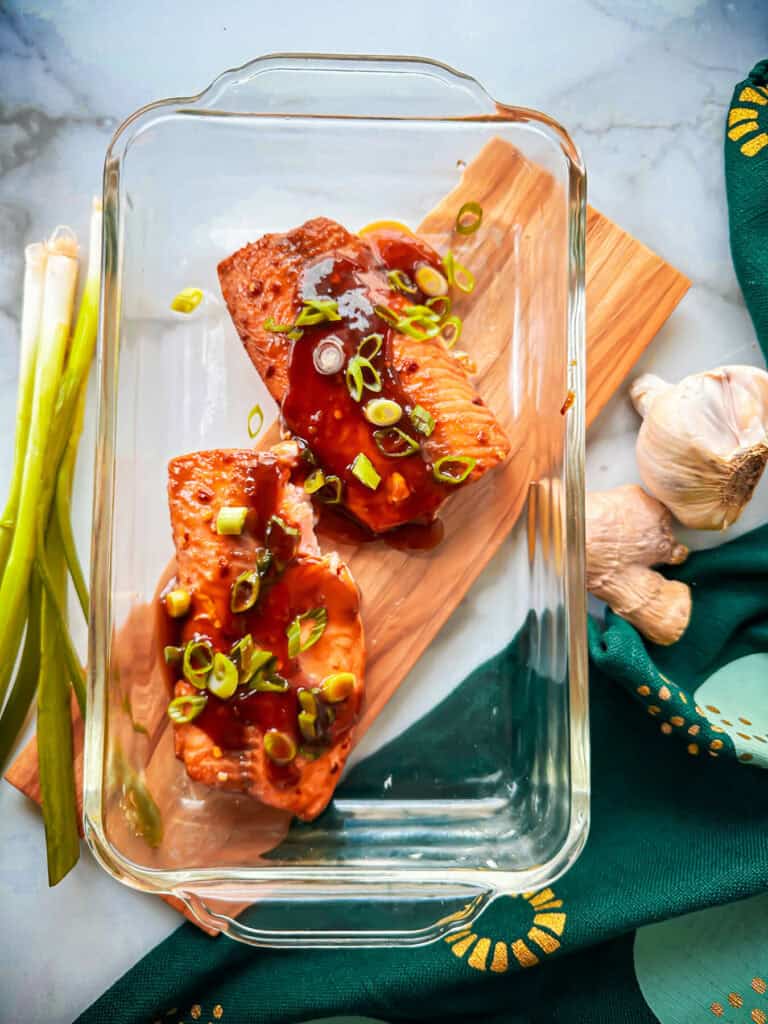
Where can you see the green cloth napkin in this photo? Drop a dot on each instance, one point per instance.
(746, 180)
(671, 833)
(653, 922)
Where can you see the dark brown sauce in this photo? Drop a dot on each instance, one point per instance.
(319, 409)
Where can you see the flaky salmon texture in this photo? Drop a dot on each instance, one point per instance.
(224, 745)
(444, 436)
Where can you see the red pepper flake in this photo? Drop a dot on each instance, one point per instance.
(569, 400)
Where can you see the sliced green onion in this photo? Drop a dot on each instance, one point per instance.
(308, 701)
(338, 687)
(245, 592)
(231, 520)
(197, 662)
(187, 300)
(282, 541)
(400, 281)
(257, 414)
(361, 374)
(443, 471)
(386, 314)
(458, 274)
(354, 378)
(330, 492)
(469, 218)
(298, 643)
(290, 329)
(382, 412)
(441, 305)
(177, 602)
(268, 682)
(370, 341)
(308, 725)
(422, 420)
(328, 356)
(450, 330)
(363, 469)
(431, 281)
(172, 655)
(223, 680)
(395, 443)
(183, 709)
(249, 659)
(316, 311)
(422, 311)
(421, 328)
(279, 746)
(263, 561)
(314, 481)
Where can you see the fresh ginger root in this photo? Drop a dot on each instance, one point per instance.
(628, 531)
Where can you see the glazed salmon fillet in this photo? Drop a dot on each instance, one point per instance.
(444, 435)
(226, 743)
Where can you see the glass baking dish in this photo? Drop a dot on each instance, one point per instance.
(419, 854)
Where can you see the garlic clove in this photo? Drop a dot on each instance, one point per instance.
(627, 532)
(702, 447)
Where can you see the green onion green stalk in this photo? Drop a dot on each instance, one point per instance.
(37, 549)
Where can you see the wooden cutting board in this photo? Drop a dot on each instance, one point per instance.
(630, 292)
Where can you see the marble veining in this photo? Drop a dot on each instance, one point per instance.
(643, 87)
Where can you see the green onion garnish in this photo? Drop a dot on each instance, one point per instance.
(177, 602)
(222, 682)
(370, 346)
(187, 300)
(316, 311)
(231, 520)
(197, 662)
(256, 414)
(308, 725)
(394, 442)
(382, 412)
(279, 746)
(183, 709)
(421, 328)
(458, 274)
(453, 469)
(308, 701)
(314, 481)
(418, 311)
(282, 540)
(330, 492)
(364, 470)
(263, 561)
(469, 218)
(172, 655)
(268, 682)
(450, 330)
(361, 374)
(422, 420)
(431, 281)
(245, 592)
(441, 305)
(291, 330)
(298, 643)
(338, 687)
(400, 281)
(248, 658)
(386, 314)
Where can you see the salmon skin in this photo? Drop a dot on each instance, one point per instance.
(446, 436)
(223, 746)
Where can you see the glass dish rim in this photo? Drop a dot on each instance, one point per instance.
(488, 884)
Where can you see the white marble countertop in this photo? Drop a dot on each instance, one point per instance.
(642, 87)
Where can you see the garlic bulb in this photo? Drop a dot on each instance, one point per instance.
(702, 446)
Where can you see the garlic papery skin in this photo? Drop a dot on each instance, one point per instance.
(703, 443)
(628, 532)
